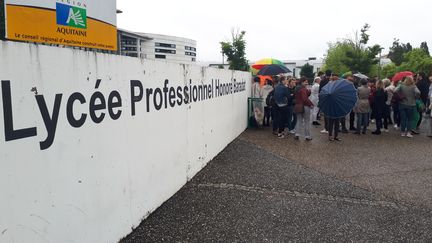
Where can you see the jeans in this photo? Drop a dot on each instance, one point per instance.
(303, 122)
(362, 120)
(396, 114)
(379, 119)
(289, 118)
(267, 115)
(406, 117)
(333, 125)
(351, 120)
(386, 116)
(281, 116)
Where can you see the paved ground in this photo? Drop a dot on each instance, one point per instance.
(264, 189)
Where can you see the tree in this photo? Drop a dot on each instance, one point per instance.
(353, 54)
(389, 70)
(425, 47)
(235, 51)
(307, 71)
(336, 57)
(397, 51)
(417, 60)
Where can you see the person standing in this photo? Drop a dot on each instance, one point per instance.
(362, 108)
(388, 88)
(395, 105)
(423, 85)
(350, 78)
(379, 102)
(314, 99)
(302, 108)
(407, 105)
(283, 98)
(333, 123)
(292, 117)
(325, 80)
(266, 90)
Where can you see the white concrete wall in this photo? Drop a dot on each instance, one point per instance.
(96, 182)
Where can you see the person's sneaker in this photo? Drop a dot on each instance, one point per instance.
(308, 139)
(373, 121)
(324, 131)
(281, 135)
(376, 132)
(296, 137)
(292, 131)
(409, 135)
(403, 134)
(415, 132)
(337, 139)
(395, 126)
(315, 123)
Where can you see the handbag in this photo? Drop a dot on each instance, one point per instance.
(299, 108)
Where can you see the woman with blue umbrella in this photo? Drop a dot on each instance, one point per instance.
(336, 100)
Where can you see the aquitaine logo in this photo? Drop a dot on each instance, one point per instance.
(71, 16)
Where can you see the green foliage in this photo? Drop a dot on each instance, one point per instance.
(307, 71)
(353, 55)
(235, 51)
(417, 60)
(389, 70)
(336, 57)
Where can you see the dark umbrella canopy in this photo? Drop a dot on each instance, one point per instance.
(337, 98)
(273, 69)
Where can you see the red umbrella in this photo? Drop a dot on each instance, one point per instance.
(400, 75)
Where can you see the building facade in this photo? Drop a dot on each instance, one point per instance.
(156, 46)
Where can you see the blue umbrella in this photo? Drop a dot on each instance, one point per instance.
(273, 69)
(337, 98)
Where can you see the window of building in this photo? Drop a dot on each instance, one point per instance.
(189, 48)
(165, 51)
(160, 56)
(126, 48)
(193, 59)
(187, 53)
(132, 54)
(165, 45)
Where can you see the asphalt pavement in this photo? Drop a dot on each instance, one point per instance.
(264, 189)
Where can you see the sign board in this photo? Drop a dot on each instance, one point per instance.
(84, 23)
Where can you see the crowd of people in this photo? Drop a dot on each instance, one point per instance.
(291, 105)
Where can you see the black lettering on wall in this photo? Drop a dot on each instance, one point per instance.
(69, 110)
(10, 133)
(135, 98)
(97, 107)
(49, 121)
(157, 93)
(112, 105)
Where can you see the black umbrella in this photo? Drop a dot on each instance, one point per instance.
(273, 69)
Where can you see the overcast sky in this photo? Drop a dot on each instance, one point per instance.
(280, 29)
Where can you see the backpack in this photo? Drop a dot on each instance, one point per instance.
(270, 100)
